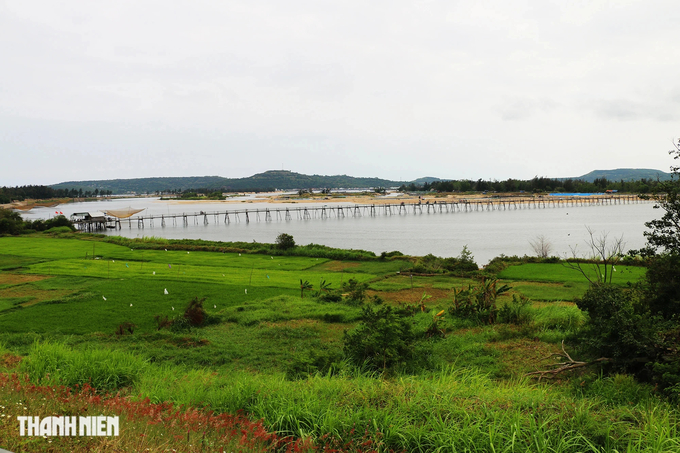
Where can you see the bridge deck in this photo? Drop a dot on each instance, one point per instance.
(286, 213)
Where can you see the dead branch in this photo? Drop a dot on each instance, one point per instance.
(567, 365)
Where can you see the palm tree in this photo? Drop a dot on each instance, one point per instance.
(304, 286)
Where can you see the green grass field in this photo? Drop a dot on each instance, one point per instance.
(277, 354)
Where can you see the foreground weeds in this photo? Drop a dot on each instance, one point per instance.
(453, 409)
(144, 426)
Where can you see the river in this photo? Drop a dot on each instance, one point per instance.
(487, 234)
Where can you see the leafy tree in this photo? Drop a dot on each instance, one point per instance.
(639, 328)
(10, 222)
(665, 232)
(662, 286)
(285, 241)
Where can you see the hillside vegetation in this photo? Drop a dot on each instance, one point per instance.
(329, 355)
(267, 181)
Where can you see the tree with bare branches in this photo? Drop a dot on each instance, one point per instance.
(542, 247)
(599, 264)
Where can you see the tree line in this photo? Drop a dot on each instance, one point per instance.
(535, 185)
(11, 222)
(21, 193)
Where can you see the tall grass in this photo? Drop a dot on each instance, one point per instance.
(106, 370)
(558, 316)
(452, 410)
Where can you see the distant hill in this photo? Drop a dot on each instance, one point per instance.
(625, 174)
(288, 180)
(269, 180)
(426, 179)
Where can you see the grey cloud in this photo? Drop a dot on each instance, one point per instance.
(524, 108)
(628, 110)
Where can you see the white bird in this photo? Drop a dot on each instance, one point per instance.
(165, 291)
(239, 254)
(131, 305)
(214, 306)
(272, 257)
(187, 253)
(173, 308)
(113, 261)
(246, 290)
(222, 275)
(613, 268)
(154, 272)
(166, 250)
(103, 297)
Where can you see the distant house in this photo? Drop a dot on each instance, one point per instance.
(89, 221)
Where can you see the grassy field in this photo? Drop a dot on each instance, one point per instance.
(274, 353)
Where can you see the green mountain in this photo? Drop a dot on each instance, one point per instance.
(625, 174)
(267, 181)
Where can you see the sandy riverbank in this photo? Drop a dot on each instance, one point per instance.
(358, 199)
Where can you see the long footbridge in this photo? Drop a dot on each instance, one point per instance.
(338, 210)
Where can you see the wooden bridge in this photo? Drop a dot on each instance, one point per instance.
(288, 213)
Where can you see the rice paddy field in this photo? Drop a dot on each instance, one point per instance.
(82, 333)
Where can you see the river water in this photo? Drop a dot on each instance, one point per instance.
(487, 234)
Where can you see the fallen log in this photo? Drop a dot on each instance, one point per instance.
(567, 365)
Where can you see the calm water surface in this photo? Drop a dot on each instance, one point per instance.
(486, 233)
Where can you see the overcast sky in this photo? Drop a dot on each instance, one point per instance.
(394, 89)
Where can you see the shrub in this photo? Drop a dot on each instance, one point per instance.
(478, 303)
(383, 339)
(162, 322)
(125, 328)
(354, 292)
(617, 327)
(195, 313)
(312, 362)
(60, 229)
(516, 311)
(464, 262)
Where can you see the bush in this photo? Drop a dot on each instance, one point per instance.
(465, 262)
(312, 362)
(195, 313)
(516, 311)
(430, 264)
(617, 327)
(478, 303)
(60, 229)
(354, 292)
(383, 339)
